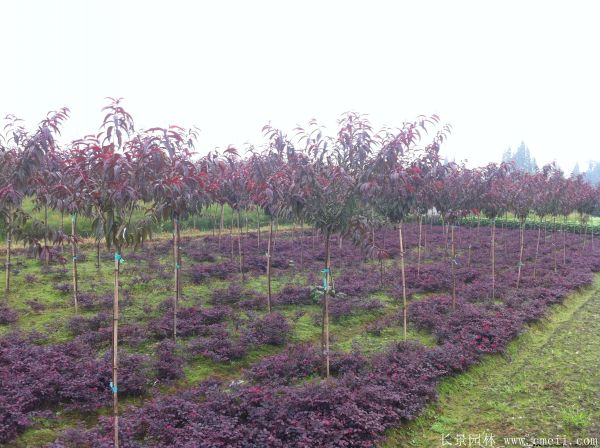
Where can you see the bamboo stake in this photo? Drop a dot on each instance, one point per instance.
(537, 249)
(220, 225)
(74, 253)
(419, 246)
(493, 249)
(115, 343)
(176, 258)
(325, 323)
(240, 252)
(453, 268)
(269, 264)
(404, 308)
(522, 228)
(7, 264)
(257, 227)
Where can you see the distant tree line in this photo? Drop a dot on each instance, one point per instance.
(522, 160)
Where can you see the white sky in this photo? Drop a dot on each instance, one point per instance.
(499, 72)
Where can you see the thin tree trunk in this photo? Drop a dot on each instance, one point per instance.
(554, 242)
(419, 246)
(493, 258)
(275, 234)
(425, 239)
(176, 258)
(564, 241)
(46, 257)
(325, 319)
(231, 237)
(445, 238)
(453, 268)
(404, 308)
(221, 224)
(180, 283)
(115, 350)
(258, 227)
(7, 264)
(301, 244)
(240, 252)
(269, 264)
(470, 243)
(62, 221)
(98, 255)
(537, 249)
(522, 228)
(74, 253)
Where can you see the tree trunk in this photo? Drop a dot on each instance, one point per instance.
(269, 264)
(231, 237)
(115, 350)
(258, 228)
(98, 255)
(564, 241)
(470, 243)
(325, 323)
(537, 249)
(445, 238)
(176, 259)
(275, 234)
(221, 224)
(240, 252)
(301, 244)
(425, 239)
(7, 264)
(419, 246)
(46, 257)
(522, 228)
(554, 242)
(212, 217)
(453, 268)
(404, 308)
(74, 253)
(493, 250)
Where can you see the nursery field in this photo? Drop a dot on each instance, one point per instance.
(485, 352)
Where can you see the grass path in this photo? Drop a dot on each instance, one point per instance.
(547, 384)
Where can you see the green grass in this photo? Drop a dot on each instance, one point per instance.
(205, 220)
(547, 377)
(547, 383)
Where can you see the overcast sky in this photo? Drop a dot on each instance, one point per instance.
(499, 72)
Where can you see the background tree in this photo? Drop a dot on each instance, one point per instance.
(329, 179)
(395, 177)
(164, 164)
(493, 204)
